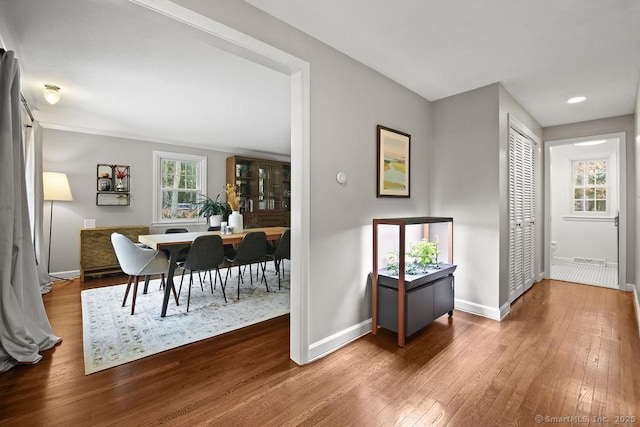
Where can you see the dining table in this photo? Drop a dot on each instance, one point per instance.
(173, 243)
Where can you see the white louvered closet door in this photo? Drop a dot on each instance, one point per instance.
(522, 210)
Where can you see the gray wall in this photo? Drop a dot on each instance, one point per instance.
(599, 127)
(348, 100)
(464, 184)
(461, 172)
(77, 154)
(469, 171)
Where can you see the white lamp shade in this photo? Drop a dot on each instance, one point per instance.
(56, 186)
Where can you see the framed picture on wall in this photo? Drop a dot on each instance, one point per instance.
(393, 171)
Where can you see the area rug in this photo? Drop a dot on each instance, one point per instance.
(112, 336)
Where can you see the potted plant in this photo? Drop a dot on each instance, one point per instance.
(424, 253)
(212, 210)
(421, 256)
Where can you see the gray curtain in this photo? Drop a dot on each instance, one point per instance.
(24, 326)
(35, 197)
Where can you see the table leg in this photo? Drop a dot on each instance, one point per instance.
(173, 257)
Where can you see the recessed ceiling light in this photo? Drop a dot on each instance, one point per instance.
(584, 144)
(576, 99)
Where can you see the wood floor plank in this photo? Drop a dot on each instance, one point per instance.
(563, 350)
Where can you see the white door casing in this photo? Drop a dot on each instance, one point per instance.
(621, 203)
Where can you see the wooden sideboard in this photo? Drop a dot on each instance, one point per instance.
(96, 252)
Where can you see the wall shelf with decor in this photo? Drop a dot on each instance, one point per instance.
(407, 296)
(264, 187)
(113, 185)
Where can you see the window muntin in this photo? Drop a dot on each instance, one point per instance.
(590, 195)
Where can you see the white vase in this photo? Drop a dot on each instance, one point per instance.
(215, 220)
(235, 222)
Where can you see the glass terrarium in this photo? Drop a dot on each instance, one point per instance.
(412, 280)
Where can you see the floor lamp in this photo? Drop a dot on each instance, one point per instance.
(56, 188)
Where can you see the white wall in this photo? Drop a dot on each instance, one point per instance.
(601, 127)
(592, 239)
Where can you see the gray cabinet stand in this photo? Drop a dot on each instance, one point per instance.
(427, 297)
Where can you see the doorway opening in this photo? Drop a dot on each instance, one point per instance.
(298, 70)
(584, 218)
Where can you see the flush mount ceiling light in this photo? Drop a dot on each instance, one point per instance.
(51, 93)
(576, 99)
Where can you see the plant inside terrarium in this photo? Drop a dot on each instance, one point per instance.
(421, 256)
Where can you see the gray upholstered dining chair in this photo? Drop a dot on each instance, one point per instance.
(205, 254)
(136, 261)
(251, 250)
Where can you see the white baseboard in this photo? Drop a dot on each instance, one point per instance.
(608, 264)
(71, 274)
(505, 309)
(483, 310)
(338, 340)
(627, 287)
(332, 343)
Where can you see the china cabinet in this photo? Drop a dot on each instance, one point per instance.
(264, 187)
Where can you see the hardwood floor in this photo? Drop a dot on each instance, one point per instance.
(565, 350)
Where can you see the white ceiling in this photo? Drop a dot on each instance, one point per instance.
(130, 72)
(542, 51)
(127, 71)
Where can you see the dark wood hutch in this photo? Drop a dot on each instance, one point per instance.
(265, 190)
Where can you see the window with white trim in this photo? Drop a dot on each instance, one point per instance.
(178, 180)
(590, 196)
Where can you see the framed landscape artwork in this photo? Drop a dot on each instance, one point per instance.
(393, 163)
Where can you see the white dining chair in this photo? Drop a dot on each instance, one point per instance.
(136, 261)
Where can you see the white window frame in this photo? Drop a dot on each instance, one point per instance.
(595, 187)
(612, 200)
(158, 156)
